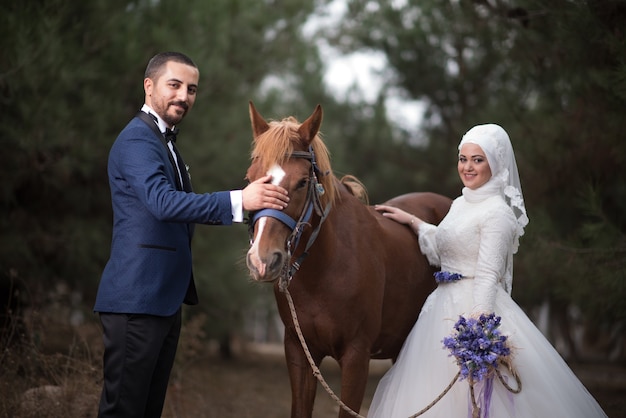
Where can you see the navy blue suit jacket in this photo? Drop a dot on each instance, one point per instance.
(150, 267)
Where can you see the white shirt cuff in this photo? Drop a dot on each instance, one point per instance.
(236, 205)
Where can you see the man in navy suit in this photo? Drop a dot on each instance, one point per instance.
(149, 273)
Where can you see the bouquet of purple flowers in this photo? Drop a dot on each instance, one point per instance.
(477, 345)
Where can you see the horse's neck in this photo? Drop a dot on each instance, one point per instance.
(344, 217)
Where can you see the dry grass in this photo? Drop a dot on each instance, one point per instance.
(60, 377)
(35, 384)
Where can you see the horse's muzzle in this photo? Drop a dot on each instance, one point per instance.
(267, 268)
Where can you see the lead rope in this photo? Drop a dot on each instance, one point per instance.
(283, 286)
(320, 378)
(475, 407)
(316, 370)
(318, 374)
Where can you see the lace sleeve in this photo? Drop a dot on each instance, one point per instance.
(428, 243)
(497, 233)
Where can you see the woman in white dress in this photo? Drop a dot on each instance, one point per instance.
(476, 241)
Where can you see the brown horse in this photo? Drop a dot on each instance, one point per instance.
(357, 279)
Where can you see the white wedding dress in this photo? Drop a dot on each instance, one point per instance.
(477, 239)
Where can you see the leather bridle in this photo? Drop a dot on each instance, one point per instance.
(313, 203)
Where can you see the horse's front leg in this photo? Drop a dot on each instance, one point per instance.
(354, 374)
(303, 381)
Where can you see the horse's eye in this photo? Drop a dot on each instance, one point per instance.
(302, 183)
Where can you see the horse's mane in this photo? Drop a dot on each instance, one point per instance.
(356, 188)
(276, 144)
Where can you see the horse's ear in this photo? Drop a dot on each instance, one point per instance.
(311, 126)
(259, 125)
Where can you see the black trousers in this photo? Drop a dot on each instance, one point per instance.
(139, 353)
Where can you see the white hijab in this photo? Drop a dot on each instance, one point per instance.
(496, 144)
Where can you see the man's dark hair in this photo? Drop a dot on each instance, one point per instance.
(156, 63)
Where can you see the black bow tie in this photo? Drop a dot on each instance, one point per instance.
(170, 134)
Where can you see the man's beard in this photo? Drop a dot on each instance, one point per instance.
(175, 118)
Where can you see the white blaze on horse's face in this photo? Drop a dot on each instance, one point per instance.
(253, 252)
(277, 174)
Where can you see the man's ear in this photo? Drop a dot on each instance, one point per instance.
(147, 86)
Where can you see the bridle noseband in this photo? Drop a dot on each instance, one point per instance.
(313, 203)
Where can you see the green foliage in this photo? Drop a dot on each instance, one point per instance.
(55, 155)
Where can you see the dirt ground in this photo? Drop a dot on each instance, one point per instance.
(256, 384)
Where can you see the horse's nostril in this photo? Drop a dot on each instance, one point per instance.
(277, 261)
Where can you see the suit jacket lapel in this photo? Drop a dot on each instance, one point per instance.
(183, 171)
(148, 121)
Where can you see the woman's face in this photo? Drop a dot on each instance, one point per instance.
(473, 167)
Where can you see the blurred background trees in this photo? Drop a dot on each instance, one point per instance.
(553, 73)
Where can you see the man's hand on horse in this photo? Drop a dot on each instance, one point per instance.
(261, 194)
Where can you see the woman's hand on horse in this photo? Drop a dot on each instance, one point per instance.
(399, 216)
(260, 194)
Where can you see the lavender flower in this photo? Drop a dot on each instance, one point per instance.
(447, 277)
(477, 345)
